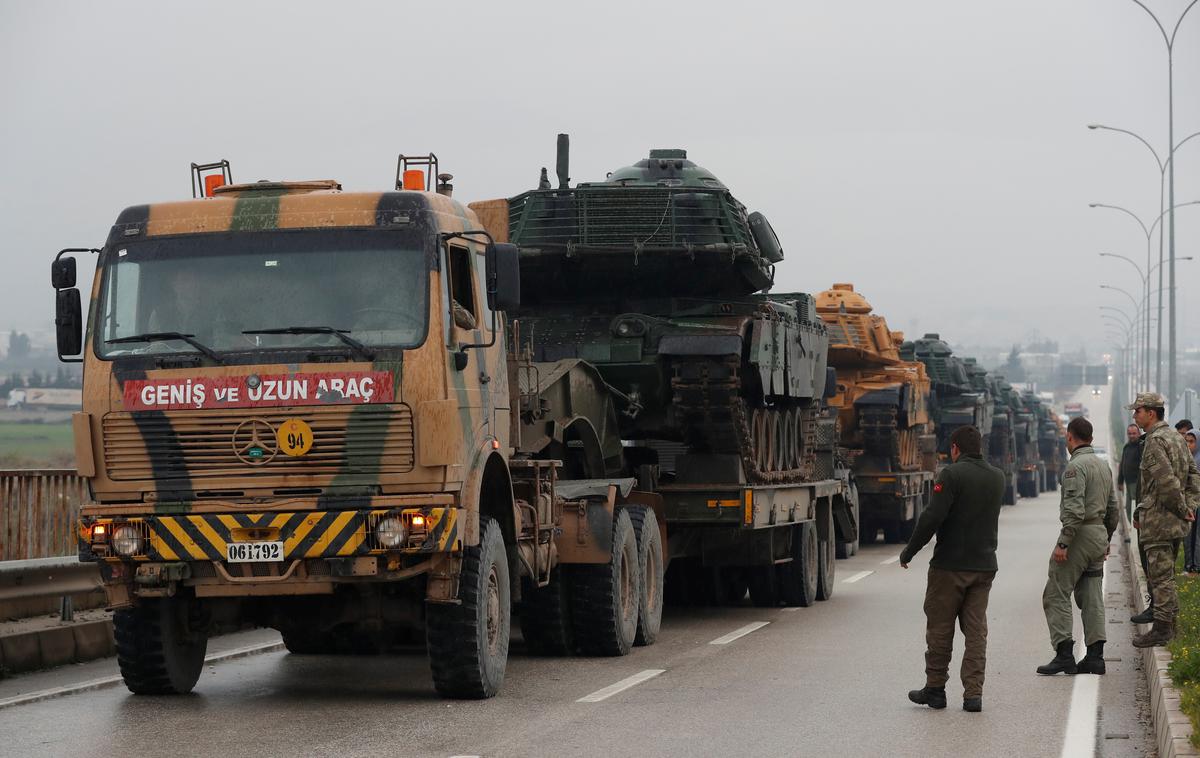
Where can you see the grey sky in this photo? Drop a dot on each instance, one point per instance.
(932, 152)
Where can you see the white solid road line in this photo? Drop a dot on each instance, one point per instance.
(112, 681)
(891, 560)
(1080, 738)
(737, 633)
(620, 686)
(856, 577)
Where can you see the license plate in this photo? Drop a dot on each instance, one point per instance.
(253, 552)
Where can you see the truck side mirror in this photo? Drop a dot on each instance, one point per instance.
(503, 276)
(62, 273)
(68, 321)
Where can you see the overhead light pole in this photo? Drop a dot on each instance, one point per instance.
(1169, 39)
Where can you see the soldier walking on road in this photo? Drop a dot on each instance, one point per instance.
(1164, 513)
(1089, 513)
(965, 514)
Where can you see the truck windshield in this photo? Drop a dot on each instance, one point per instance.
(369, 285)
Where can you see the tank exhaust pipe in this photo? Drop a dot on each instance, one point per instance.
(564, 161)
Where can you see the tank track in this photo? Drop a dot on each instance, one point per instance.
(883, 438)
(776, 444)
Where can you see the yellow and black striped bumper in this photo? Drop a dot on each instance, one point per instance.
(309, 534)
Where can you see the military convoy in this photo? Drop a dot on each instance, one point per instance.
(372, 418)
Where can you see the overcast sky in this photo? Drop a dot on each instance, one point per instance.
(933, 152)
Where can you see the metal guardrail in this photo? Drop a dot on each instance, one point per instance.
(47, 577)
(38, 511)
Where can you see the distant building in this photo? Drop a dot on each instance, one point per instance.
(48, 398)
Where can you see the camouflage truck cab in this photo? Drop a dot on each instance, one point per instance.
(300, 413)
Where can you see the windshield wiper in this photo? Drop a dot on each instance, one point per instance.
(164, 336)
(341, 334)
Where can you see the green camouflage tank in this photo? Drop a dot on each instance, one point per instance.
(656, 276)
(955, 399)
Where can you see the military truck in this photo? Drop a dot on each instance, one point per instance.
(300, 412)
(883, 406)
(1002, 443)
(1052, 447)
(657, 275)
(1026, 429)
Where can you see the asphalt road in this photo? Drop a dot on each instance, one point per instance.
(820, 681)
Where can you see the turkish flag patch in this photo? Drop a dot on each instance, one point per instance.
(937, 487)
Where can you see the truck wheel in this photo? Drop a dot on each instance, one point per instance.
(826, 570)
(1010, 493)
(545, 615)
(798, 577)
(650, 566)
(764, 586)
(301, 641)
(156, 652)
(468, 642)
(605, 612)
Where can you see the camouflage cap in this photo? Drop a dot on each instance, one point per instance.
(1147, 400)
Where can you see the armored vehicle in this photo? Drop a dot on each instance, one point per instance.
(1052, 447)
(656, 276)
(955, 400)
(1002, 443)
(883, 409)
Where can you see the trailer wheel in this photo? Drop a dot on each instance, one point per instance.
(545, 616)
(650, 567)
(798, 577)
(156, 652)
(468, 642)
(1010, 492)
(868, 531)
(605, 612)
(731, 585)
(850, 549)
(826, 569)
(303, 641)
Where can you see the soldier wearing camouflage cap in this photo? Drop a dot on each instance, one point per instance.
(1167, 490)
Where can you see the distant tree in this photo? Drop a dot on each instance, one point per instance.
(18, 344)
(60, 377)
(1014, 371)
(36, 379)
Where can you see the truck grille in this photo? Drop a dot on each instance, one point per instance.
(368, 439)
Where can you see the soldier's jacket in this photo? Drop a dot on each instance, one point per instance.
(1168, 485)
(1088, 495)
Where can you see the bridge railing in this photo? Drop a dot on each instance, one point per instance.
(38, 509)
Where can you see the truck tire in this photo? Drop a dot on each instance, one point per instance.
(468, 642)
(650, 566)
(301, 641)
(798, 577)
(1010, 493)
(605, 611)
(545, 616)
(826, 570)
(155, 652)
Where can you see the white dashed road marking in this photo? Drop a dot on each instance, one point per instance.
(737, 633)
(891, 560)
(856, 577)
(620, 686)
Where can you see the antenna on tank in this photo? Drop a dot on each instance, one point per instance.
(564, 161)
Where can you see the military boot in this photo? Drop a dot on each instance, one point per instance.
(934, 697)
(972, 704)
(1160, 634)
(1064, 660)
(1146, 616)
(1093, 662)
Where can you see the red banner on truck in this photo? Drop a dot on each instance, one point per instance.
(254, 391)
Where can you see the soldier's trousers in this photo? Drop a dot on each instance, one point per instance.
(962, 597)
(1130, 501)
(1160, 576)
(1082, 574)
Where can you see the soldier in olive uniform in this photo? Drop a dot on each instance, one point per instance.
(1089, 513)
(965, 514)
(1166, 487)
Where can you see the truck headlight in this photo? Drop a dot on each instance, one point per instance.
(390, 532)
(126, 540)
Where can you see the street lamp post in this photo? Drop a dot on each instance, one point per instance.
(1137, 308)
(1148, 231)
(1169, 39)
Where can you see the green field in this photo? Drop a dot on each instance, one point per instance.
(49, 445)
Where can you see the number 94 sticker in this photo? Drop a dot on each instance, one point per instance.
(295, 437)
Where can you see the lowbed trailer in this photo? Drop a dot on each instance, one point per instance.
(892, 502)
